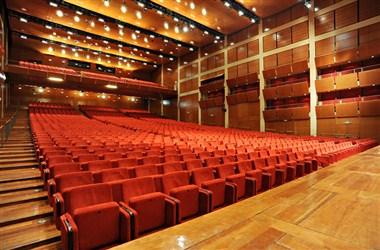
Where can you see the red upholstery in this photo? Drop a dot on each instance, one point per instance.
(97, 165)
(172, 158)
(246, 168)
(125, 162)
(192, 164)
(87, 157)
(113, 174)
(147, 170)
(151, 160)
(112, 156)
(172, 167)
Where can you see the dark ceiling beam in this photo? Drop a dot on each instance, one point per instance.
(151, 5)
(242, 10)
(84, 33)
(79, 48)
(116, 21)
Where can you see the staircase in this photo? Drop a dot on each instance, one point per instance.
(26, 219)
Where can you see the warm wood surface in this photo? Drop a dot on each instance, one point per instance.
(334, 208)
(17, 185)
(19, 174)
(24, 211)
(23, 195)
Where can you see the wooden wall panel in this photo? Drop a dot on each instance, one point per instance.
(325, 111)
(300, 53)
(368, 9)
(253, 66)
(346, 81)
(284, 57)
(245, 116)
(325, 84)
(300, 32)
(189, 108)
(349, 109)
(324, 23)
(269, 42)
(242, 52)
(284, 37)
(321, 4)
(232, 72)
(253, 48)
(283, 17)
(219, 60)
(213, 116)
(232, 55)
(369, 108)
(298, 11)
(346, 15)
(325, 47)
(204, 65)
(242, 69)
(211, 63)
(270, 61)
(370, 33)
(369, 77)
(369, 127)
(347, 40)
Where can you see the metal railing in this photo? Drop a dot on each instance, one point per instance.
(6, 128)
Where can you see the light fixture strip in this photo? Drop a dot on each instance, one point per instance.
(84, 33)
(127, 25)
(151, 5)
(241, 9)
(80, 48)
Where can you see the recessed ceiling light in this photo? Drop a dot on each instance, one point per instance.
(192, 5)
(107, 28)
(106, 3)
(101, 20)
(123, 7)
(166, 25)
(185, 28)
(204, 11)
(253, 9)
(77, 19)
(138, 14)
(266, 29)
(55, 79)
(240, 13)
(59, 13)
(23, 37)
(134, 37)
(227, 4)
(53, 4)
(24, 20)
(50, 49)
(48, 27)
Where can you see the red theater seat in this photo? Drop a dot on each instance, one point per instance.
(60, 168)
(149, 208)
(151, 160)
(193, 200)
(172, 167)
(245, 167)
(192, 164)
(93, 219)
(147, 170)
(97, 165)
(125, 163)
(113, 174)
(222, 192)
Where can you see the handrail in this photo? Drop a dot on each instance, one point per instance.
(6, 128)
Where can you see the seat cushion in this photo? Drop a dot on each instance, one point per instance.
(98, 225)
(239, 180)
(150, 210)
(189, 198)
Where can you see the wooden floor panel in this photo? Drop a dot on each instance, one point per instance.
(24, 195)
(12, 213)
(28, 233)
(337, 207)
(20, 185)
(19, 174)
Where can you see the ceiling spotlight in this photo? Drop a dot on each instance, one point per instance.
(191, 49)
(121, 32)
(111, 86)
(76, 19)
(185, 29)
(53, 4)
(253, 9)
(166, 25)
(308, 4)
(76, 54)
(253, 20)
(138, 14)
(92, 24)
(59, 13)
(141, 4)
(44, 42)
(176, 29)
(63, 52)
(134, 37)
(227, 4)
(204, 11)
(192, 5)
(240, 13)
(106, 3)
(48, 27)
(266, 29)
(88, 57)
(146, 39)
(24, 20)
(107, 28)
(50, 49)
(123, 7)
(159, 12)
(23, 37)
(101, 20)
(316, 9)
(176, 19)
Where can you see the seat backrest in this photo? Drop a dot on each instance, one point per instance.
(271, 161)
(204, 154)
(244, 166)
(175, 179)
(74, 179)
(135, 154)
(171, 158)
(87, 157)
(112, 156)
(263, 153)
(259, 163)
(254, 155)
(126, 162)
(242, 157)
(201, 175)
(112, 174)
(62, 168)
(147, 170)
(282, 158)
(137, 186)
(189, 156)
(87, 195)
(213, 161)
(291, 156)
(153, 153)
(225, 170)
(99, 165)
(151, 160)
(229, 158)
(59, 159)
(172, 167)
(77, 152)
(192, 164)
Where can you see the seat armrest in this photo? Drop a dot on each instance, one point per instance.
(230, 193)
(280, 176)
(250, 186)
(58, 207)
(69, 232)
(84, 166)
(177, 208)
(45, 175)
(51, 188)
(170, 212)
(125, 225)
(204, 201)
(133, 215)
(42, 165)
(267, 180)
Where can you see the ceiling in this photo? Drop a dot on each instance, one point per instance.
(129, 34)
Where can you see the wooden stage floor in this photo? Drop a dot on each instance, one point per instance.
(337, 207)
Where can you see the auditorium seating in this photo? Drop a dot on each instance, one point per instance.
(162, 169)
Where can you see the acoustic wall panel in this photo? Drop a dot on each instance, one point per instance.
(325, 111)
(369, 108)
(349, 109)
(369, 77)
(347, 81)
(325, 84)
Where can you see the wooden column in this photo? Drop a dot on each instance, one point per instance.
(199, 84)
(261, 77)
(313, 73)
(226, 113)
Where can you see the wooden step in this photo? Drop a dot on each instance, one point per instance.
(7, 149)
(19, 174)
(52, 246)
(21, 185)
(22, 145)
(16, 160)
(5, 152)
(21, 196)
(29, 234)
(24, 211)
(17, 165)
(13, 156)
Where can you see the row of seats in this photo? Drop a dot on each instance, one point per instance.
(141, 175)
